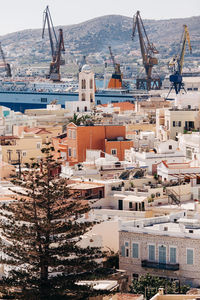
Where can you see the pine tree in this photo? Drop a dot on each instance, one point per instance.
(40, 231)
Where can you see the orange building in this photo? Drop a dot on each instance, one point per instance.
(110, 139)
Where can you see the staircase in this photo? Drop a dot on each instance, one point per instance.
(174, 197)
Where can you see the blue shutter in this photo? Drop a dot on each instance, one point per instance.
(123, 251)
(152, 252)
(172, 255)
(162, 254)
(190, 256)
(135, 250)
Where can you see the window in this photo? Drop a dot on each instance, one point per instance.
(170, 147)
(85, 108)
(125, 249)
(83, 84)
(74, 152)
(174, 124)
(24, 153)
(190, 256)
(130, 205)
(43, 99)
(70, 152)
(135, 250)
(152, 252)
(91, 98)
(172, 255)
(69, 133)
(114, 151)
(179, 123)
(74, 134)
(83, 97)
(38, 145)
(91, 84)
(162, 254)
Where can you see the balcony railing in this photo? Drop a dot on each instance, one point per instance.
(161, 266)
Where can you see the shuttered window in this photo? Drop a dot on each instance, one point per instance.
(172, 255)
(190, 257)
(135, 250)
(162, 254)
(123, 251)
(152, 252)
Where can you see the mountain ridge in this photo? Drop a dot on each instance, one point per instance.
(92, 37)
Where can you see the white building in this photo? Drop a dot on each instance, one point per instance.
(190, 145)
(9, 118)
(167, 151)
(86, 99)
(144, 139)
(178, 171)
(171, 122)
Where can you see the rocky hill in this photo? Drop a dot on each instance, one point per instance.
(94, 36)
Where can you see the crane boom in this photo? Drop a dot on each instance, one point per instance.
(112, 57)
(116, 79)
(6, 65)
(147, 51)
(56, 44)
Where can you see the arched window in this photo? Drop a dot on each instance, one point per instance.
(91, 98)
(83, 84)
(83, 97)
(91, 84)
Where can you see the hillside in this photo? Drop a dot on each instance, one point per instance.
(94, 36)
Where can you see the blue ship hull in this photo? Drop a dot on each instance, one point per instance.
(22, 100)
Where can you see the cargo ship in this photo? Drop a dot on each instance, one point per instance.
(21, 94)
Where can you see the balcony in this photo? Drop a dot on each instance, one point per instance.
(161, 266)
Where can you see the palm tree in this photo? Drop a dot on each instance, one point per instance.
(76, 119)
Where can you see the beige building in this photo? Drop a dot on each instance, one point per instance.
(171, 122)
(23, 149)
(193, 295)
(167, 246)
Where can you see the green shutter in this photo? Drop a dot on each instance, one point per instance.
(190, 256)
(172, 255)
(152, 252)
(123, 251)
(135, 250)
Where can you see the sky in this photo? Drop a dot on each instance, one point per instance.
(17, 15)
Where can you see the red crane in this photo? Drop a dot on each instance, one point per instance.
(116, 79)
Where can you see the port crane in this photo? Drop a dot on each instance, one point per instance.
(116, 79)
(148, 50)
(176, 63)
(56, 44)
(6, 65)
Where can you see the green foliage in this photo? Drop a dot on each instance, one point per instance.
(148, 285)
(40, 231)
(155, 176)
(112, 261)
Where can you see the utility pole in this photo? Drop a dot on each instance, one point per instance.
(19, 161)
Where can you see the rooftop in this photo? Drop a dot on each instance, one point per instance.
(173, 225)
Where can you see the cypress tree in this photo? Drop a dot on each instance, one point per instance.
(40, 229)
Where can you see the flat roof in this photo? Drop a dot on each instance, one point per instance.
(83, 186)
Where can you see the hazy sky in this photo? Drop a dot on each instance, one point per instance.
(25, 14)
